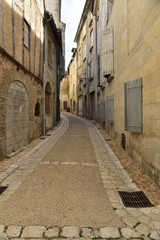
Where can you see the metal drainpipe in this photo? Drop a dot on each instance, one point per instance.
(77, 83)
(44, 52)
(96, 58)
(44, 63)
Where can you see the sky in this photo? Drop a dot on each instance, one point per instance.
(71, 14)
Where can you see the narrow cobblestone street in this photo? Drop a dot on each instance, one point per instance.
(67, 186)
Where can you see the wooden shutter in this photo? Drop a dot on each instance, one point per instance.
(133, 105)
(108, 52)
(110, 109)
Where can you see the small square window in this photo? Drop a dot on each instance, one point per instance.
(26, 40)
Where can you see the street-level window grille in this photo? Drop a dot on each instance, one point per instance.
(133, 106)
(37, 109)
(26, 39)
(110, 109)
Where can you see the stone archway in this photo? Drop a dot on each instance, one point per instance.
(17, 117)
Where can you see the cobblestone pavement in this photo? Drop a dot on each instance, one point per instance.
(90, 181)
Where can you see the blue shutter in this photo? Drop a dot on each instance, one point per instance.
(133, 106)
(110, 109)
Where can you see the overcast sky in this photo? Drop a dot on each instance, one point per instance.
(71, 14)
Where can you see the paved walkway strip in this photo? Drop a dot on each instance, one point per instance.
(14, 176)
(141, 223)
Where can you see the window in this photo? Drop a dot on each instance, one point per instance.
(110, 109)
(103, 16)
(50, 52)
(37, 109)
(79, 58)
(47, 98)
(84, 51)
(108, 53)
(90, 69)
(98, 38)
(106, 12)
(26, 40)
(84, 31)
(101, 110)
(133, 106)
(91, 39)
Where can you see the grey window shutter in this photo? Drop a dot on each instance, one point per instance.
(133, 105)
(102, 111)
(110, 109)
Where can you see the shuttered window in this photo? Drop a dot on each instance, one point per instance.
(26, 40)
(110, 109)
(91, 39)
(106, 12)
(103, 16)
(108, 53)
(84, 51)
(133, 106)
(102, 111)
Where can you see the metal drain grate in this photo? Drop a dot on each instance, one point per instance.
(135, 199)
(2, 189)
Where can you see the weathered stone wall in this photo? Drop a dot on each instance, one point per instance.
(51, 76)
(64, 93)
(73, 83)
(19, 93)
(20, 73)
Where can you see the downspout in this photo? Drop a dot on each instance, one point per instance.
(44, 64)
(97, 65)
(44, 52)
(77, 83)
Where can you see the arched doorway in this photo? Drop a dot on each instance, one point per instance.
(17, 117)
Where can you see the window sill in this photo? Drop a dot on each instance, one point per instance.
(109, 76)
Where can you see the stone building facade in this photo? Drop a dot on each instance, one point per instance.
(86, 71)
(126, 75)
(21, 54)
(64, 93)
(129, 68)
(72, 74)
(21, 73)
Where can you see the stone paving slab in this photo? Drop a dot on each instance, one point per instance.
(73, 232)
